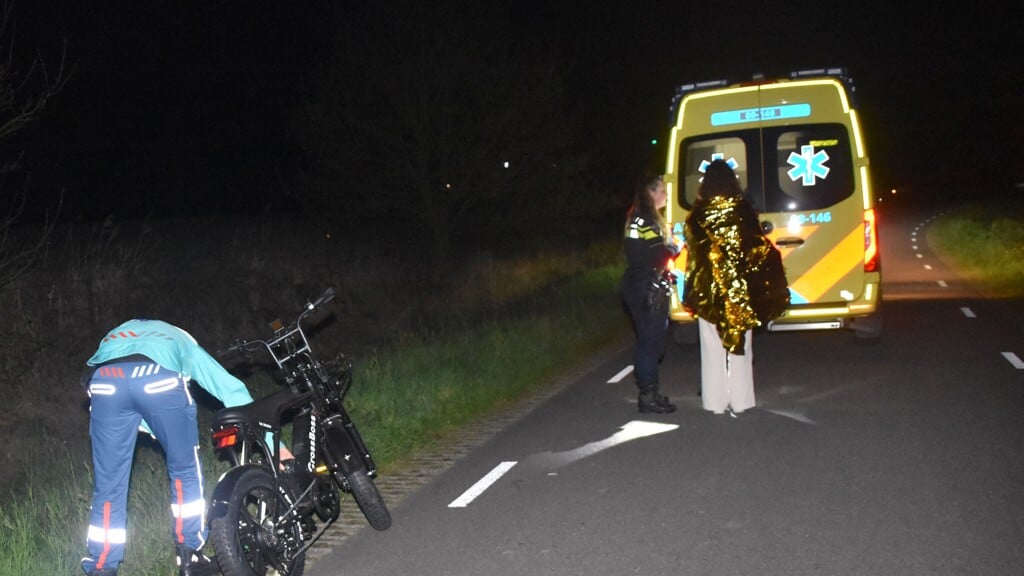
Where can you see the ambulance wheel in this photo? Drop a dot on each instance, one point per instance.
(867, 331)
(685, 333)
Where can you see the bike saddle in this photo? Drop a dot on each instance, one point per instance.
(268, 410)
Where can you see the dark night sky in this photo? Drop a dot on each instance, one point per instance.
(192, 96)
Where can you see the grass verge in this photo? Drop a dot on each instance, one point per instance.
(985, 244)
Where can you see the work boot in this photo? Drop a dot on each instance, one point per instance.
(193, 563)
(652, 401)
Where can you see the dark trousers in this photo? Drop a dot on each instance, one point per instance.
(650, 327)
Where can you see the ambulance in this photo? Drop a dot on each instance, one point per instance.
(795, 144)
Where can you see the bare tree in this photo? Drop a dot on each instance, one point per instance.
(24, 92)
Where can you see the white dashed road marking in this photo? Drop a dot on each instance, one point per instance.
(968, 312)
(622, 374)
(1014, 360)
(481, 485)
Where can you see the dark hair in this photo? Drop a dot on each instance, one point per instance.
(719, 180)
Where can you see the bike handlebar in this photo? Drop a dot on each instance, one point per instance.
(273, 345)
(324, 298)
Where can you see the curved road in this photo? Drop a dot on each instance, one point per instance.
(905, 458)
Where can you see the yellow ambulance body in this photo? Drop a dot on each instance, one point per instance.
(796, 146)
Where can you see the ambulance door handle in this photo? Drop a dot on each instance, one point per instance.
(789, 241)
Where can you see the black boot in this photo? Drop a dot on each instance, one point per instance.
(193, 563)
(651, 401)
(663, 400)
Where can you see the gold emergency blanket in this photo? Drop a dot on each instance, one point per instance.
(728, 260)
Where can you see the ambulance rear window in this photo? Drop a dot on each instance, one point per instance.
(738, 148)
(806, 166)
(812, 167)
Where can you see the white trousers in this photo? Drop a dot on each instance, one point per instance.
(727, 380)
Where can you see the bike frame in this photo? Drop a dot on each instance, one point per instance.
(241, 433)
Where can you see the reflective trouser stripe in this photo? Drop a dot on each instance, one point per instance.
(188, 509)
(184, 511)
(188, 504)
(106, 541)
(161, 386)
(111, 535)
(180, 537)
(145, 370)
(103, 389)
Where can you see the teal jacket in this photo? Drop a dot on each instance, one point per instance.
(174, 349)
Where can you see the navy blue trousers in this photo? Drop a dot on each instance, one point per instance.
(650, 327)
(121, 396)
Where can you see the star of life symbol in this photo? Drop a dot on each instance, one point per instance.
(808, 165)
(716, 156)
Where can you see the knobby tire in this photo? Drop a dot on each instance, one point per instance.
(236, 537)
(370, 502)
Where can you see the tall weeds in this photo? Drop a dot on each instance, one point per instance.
(428, 358)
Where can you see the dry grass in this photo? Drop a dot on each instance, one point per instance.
(220, 279)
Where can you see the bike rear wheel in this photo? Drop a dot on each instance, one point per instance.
(370, 502)
(255, 537)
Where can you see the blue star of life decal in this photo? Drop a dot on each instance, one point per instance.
(808, 165)
(717, 156)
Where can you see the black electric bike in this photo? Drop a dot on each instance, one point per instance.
(264, 511)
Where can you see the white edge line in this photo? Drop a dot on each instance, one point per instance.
(622, 374)
(481, 485)
(1014, 360)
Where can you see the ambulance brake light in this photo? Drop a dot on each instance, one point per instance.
(872, 260)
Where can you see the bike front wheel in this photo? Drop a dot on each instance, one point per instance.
(257, 536)
(370, 502)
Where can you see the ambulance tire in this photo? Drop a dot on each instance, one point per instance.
(685, 333)
(867, 331)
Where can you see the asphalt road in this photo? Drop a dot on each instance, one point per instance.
(903, 458)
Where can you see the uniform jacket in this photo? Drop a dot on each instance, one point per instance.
(174, 349)
(646, 255)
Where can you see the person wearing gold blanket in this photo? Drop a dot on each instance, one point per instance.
(734, 282)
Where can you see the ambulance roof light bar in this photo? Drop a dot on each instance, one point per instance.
(837, 72)
(840, 72)
(684, 89)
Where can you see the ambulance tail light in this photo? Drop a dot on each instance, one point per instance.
(872, 259)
